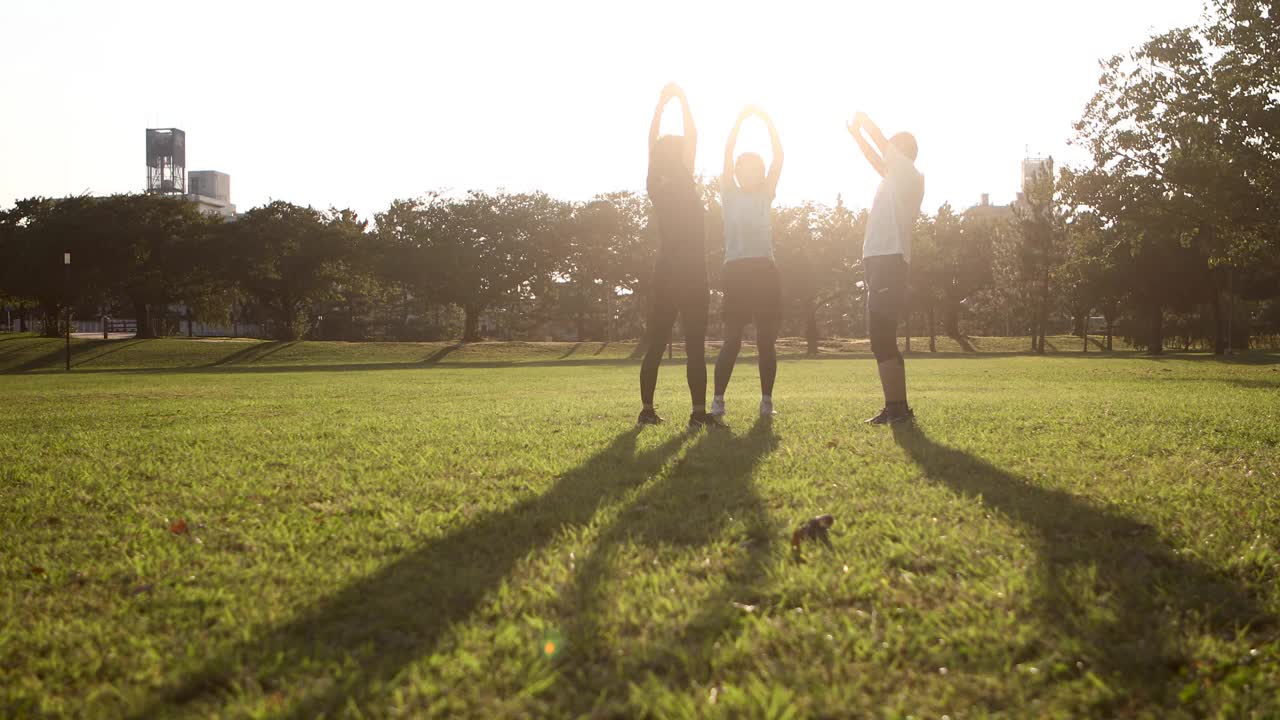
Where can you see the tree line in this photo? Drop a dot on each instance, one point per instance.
(1170, 235)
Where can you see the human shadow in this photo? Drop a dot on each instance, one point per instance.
(118, 346)
(25, 347)
(273, 349)
(256, 352)
(375, 627)
(354, 367)
(438, 356)
(52, 358)
(249, 352)
(1148, 591)
(709, 487)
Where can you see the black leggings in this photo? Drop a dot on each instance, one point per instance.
(766, 347)
(752, 293)
(693, 315)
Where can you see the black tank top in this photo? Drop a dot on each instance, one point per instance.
(682, 254)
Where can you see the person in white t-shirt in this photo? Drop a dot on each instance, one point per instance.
(752, 283)
(886, 255)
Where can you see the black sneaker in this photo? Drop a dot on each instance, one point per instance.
(701, 420)
(887, 418)
(649, 416)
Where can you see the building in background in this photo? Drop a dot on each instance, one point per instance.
(984, 210)
(211, 191)
(1034, 170)
(167, 174)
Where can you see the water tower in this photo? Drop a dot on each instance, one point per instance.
(166, 161)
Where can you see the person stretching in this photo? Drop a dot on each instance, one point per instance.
(886, 255)
(679, 285)
(752, 285)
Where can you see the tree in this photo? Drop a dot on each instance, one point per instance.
(928, 269)
(1193, 116)
(951, 259)
(966, 251)
(479, 251)
(156, 250)
(25, 280)
(816, 248)
(795, 253)
(293, 258)
(1040, 223)
(604, 256)
(37, 231)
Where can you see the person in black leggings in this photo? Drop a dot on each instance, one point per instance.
(752, 284)
(679, 286)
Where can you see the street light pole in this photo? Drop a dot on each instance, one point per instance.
(66, 293)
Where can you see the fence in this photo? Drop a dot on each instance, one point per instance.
(167, 327)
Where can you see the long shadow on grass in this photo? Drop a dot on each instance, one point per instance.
(1109, 585)
(438, 356)
(248, 352)
(708, 488)
(25, 347)
(435, 361)
(121, 345)
(376, 627)
(54, 357)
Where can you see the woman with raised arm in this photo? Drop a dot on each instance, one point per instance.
(752, 284)
(679, 283)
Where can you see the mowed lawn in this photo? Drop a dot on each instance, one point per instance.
(434, 531)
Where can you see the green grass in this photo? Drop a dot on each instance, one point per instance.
(385, 531)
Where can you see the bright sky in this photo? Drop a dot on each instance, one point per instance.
(356, 103)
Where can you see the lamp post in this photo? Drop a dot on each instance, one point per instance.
(66, 291)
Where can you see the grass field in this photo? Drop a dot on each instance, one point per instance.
(287, 530)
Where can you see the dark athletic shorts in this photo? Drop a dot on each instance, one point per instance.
(886, 277)
(752, 292)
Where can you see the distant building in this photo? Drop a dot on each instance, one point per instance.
(1034, 169)
(984, 210)
(211, 191)
(167, 174)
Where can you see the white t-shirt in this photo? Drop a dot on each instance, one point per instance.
(894, 211)
(748, 228)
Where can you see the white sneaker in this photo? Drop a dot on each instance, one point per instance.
(717, 407)
(766, 408)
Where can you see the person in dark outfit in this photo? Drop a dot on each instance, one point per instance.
(679, 285)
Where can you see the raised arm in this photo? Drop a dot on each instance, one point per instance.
(775, 165)
(673, 90)
(655, 127)
(860, 129)
(726, 180)
(690, 130)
